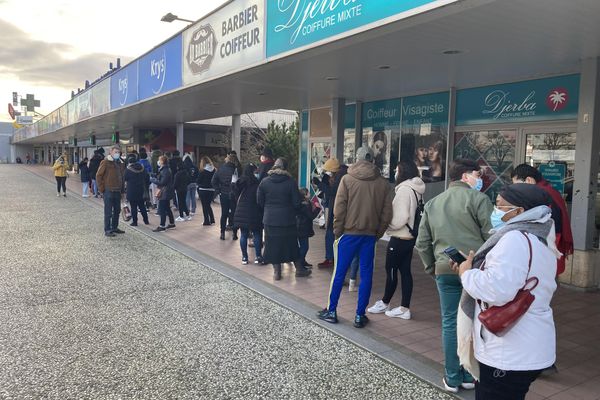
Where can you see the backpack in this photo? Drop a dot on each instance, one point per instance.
(414, 231)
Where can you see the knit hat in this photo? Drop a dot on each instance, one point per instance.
(143, 155)
(132, 159)
(525, 195)
(364, 153)
(267, 152)
(332, 165)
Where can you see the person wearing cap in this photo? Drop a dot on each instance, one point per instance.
(328, 185)
(522, 246)
(111, 185)
(362, 213)
(137, 181)
(525, 173)
(460, 218)
(266, 163)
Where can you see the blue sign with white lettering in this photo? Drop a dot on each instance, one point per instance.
(537, 100)
(160, 70)
(296, 23)
(124, 86)
(425, 109)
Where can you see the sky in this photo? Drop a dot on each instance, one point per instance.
(50, 47)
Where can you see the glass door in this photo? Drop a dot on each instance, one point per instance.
(493, 150)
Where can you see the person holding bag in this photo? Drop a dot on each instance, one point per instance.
(517, 261)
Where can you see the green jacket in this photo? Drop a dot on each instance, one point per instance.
(459, 217)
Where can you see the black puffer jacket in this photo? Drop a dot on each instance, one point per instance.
(221, 180)
(305, 219)
(205, 176)
(84, 172)
(94, 165)
(182, 180)
(137, 180)
(279, 197)
(248, 214)
(165, 183)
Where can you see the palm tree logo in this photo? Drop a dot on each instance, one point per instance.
(557, 99)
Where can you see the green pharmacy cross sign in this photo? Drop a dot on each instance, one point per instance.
(30, 102)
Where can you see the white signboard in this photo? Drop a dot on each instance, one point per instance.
(24, 119)
(230, 39)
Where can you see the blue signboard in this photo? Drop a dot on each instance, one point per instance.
(425, 109)
(160, 70)
(124, 86)
(555, 174)
(296, 23)
(537, 100)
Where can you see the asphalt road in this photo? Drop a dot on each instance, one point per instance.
(89, 317)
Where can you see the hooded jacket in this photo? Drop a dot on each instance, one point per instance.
(221, 180)
(137, 180)
(404, 207)
(84, 172)
(181, 180)
(164, 182)
(94, 165)
(205, 176)
(60, 170)
(191, 168)
(110, 175)
(363, 204)
(279, 196)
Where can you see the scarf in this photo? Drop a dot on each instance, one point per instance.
(536, 221)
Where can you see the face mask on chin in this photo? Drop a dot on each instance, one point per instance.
(497, 215)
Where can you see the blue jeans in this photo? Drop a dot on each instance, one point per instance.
(112, 209)
(329, 239)
(95, 187)
(191, 197)
(450, 290)
(257, 239)
(303, 245)
(84, 188)
(354, 268)
(346, 248)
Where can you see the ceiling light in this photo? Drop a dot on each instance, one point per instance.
(261, 93)
(384, 67)
(452, 52)
(331, 78)
(214, 103)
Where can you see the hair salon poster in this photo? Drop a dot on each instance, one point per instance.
(380, 119)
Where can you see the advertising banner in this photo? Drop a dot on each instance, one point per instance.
(124, 86)
(381, 121)
(83, 103)
(101, 97)
(230, 39)
(160, 70)
(292, 24)
(537, 100)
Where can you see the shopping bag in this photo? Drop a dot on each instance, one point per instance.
(125, 212)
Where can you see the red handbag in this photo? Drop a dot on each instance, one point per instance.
(500, 319)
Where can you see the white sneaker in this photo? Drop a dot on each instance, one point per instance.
(188, 218)
(179, 219)
(468, 385)
(451, 389)
(352, 285)
(192, 214)
(86, 195)
(398, 312)
(378, 308)
(58, 194)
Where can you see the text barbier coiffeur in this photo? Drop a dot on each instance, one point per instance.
(246, 39)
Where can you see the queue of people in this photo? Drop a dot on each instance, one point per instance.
(517, 246)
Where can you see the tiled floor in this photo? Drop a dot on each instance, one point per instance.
(577, 314)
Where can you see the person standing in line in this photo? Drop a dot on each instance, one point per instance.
(84, 173)
(362, 213)
(266, 163)
(111, 185)
(206, 192)
(279, 197)
(522, 247)
(304, 222)
(148, 168)
(328, 185)
(137, 181)
(190, 198)
(458, 217)
(248, 215)
(61, 166)
(164, 184)
(221, 182)
(409, 193)
(94, 165)
(525, 173)
(154, 156)
(181, 183)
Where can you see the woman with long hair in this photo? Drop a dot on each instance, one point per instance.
(205, 190)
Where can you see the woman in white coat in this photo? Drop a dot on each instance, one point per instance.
(409, 192)
(518, 250)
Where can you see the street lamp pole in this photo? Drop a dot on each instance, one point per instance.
(169, 17)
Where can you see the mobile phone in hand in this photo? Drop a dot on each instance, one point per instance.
(454, 255)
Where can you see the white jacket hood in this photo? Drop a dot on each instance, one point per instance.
(415, 184)
(405, 206)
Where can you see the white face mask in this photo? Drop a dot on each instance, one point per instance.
(116, 156)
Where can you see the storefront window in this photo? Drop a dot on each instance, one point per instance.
(494, 151)
(424, 134)
(381, 132)
(349, 135)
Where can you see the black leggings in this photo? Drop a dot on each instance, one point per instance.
(206, 197)
(496, 384)
(61, 181)
(226, 212)
(398, 258)
(182, 204)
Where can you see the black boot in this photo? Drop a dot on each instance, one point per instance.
(222, 237)
(277, 272)
(301, 270)
(235, 236)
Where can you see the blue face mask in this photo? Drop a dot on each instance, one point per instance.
(496, 217)
(478, 184)
(256, 175)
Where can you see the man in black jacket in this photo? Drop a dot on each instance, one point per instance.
(222, 181)
(137, 181)
(94, 165)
